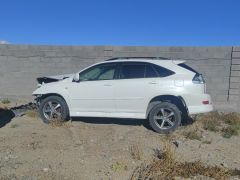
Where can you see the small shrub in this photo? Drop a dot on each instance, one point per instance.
(59, 123)
(14, 125)
(34, 145)
(207, 142)
(164, 166)
(236, 126)
(229, 131)
(5, 101)
(166, 153)
(135, 152)
(116, 167)
(231, 118)
(211, 125)
(32, 113)
(211, 121)
(192, 135)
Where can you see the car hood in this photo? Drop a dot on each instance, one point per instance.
(50, 79)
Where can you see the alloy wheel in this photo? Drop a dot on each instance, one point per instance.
(164, 118)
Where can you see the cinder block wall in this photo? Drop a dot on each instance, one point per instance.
(21, 64)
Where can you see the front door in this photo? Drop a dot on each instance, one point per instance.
(95, 90)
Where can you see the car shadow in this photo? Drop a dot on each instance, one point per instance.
(124, 121)
(6, 116)
(118, 121)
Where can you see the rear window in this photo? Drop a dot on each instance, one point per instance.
(163, 72)
(183, 65)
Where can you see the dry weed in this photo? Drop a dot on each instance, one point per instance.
(164, 166)
(59, 123)
(136, 152)
(227, 123)
(211, 121)
(229, 131)
(231, 118)
(116, 167)
(193, 134)
(5, 101)
(32, 113)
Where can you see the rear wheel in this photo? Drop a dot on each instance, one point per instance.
(164, 117)
(53, 108)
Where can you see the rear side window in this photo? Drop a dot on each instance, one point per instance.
(150, 72)
(132, 70)
(163, 72)
(143, 70)
(183, 65)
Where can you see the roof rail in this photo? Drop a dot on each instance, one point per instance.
(156, 58)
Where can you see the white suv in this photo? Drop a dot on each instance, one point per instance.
(162, 91)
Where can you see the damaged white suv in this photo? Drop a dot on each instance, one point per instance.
(160, 90)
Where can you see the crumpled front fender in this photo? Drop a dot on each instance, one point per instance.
(55, 88)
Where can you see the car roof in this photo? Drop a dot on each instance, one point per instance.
(125, 58)
(153, 60)
(169, 64)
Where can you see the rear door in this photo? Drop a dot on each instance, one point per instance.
(136, 83)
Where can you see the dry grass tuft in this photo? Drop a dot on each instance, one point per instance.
(5, 101)
(14, 126)
(116, 167)
(211, 125)
(231, 118)
(59, 123)
(207, 142)
(233, 124)
(193, 134)
(229, 131)
(32, 113)
(227, 123)
(164, 166)
(211, 121)
(136, 152)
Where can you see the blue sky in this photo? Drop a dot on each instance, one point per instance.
(121, 22)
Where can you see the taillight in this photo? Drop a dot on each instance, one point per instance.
(198, 79)
(205, 102)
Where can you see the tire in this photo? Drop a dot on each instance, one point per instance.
(53, 108)
(159, 120)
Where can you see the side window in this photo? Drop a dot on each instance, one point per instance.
(98, 72)
(163, 72)
(132, 70)
(150, 72)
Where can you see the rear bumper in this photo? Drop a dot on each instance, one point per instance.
(196, 103)
(200, 109)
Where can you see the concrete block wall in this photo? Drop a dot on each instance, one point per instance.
(234, 88)
(20, 65)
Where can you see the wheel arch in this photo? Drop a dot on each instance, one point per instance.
(43, 96)
(177, 100)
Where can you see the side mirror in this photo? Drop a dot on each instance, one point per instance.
(76, 77)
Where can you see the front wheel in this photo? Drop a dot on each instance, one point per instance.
(164, 117)
(53, 108)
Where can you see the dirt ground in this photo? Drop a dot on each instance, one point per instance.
(99, 148)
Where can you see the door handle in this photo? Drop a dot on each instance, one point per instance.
(107, 84)
(152, 82)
